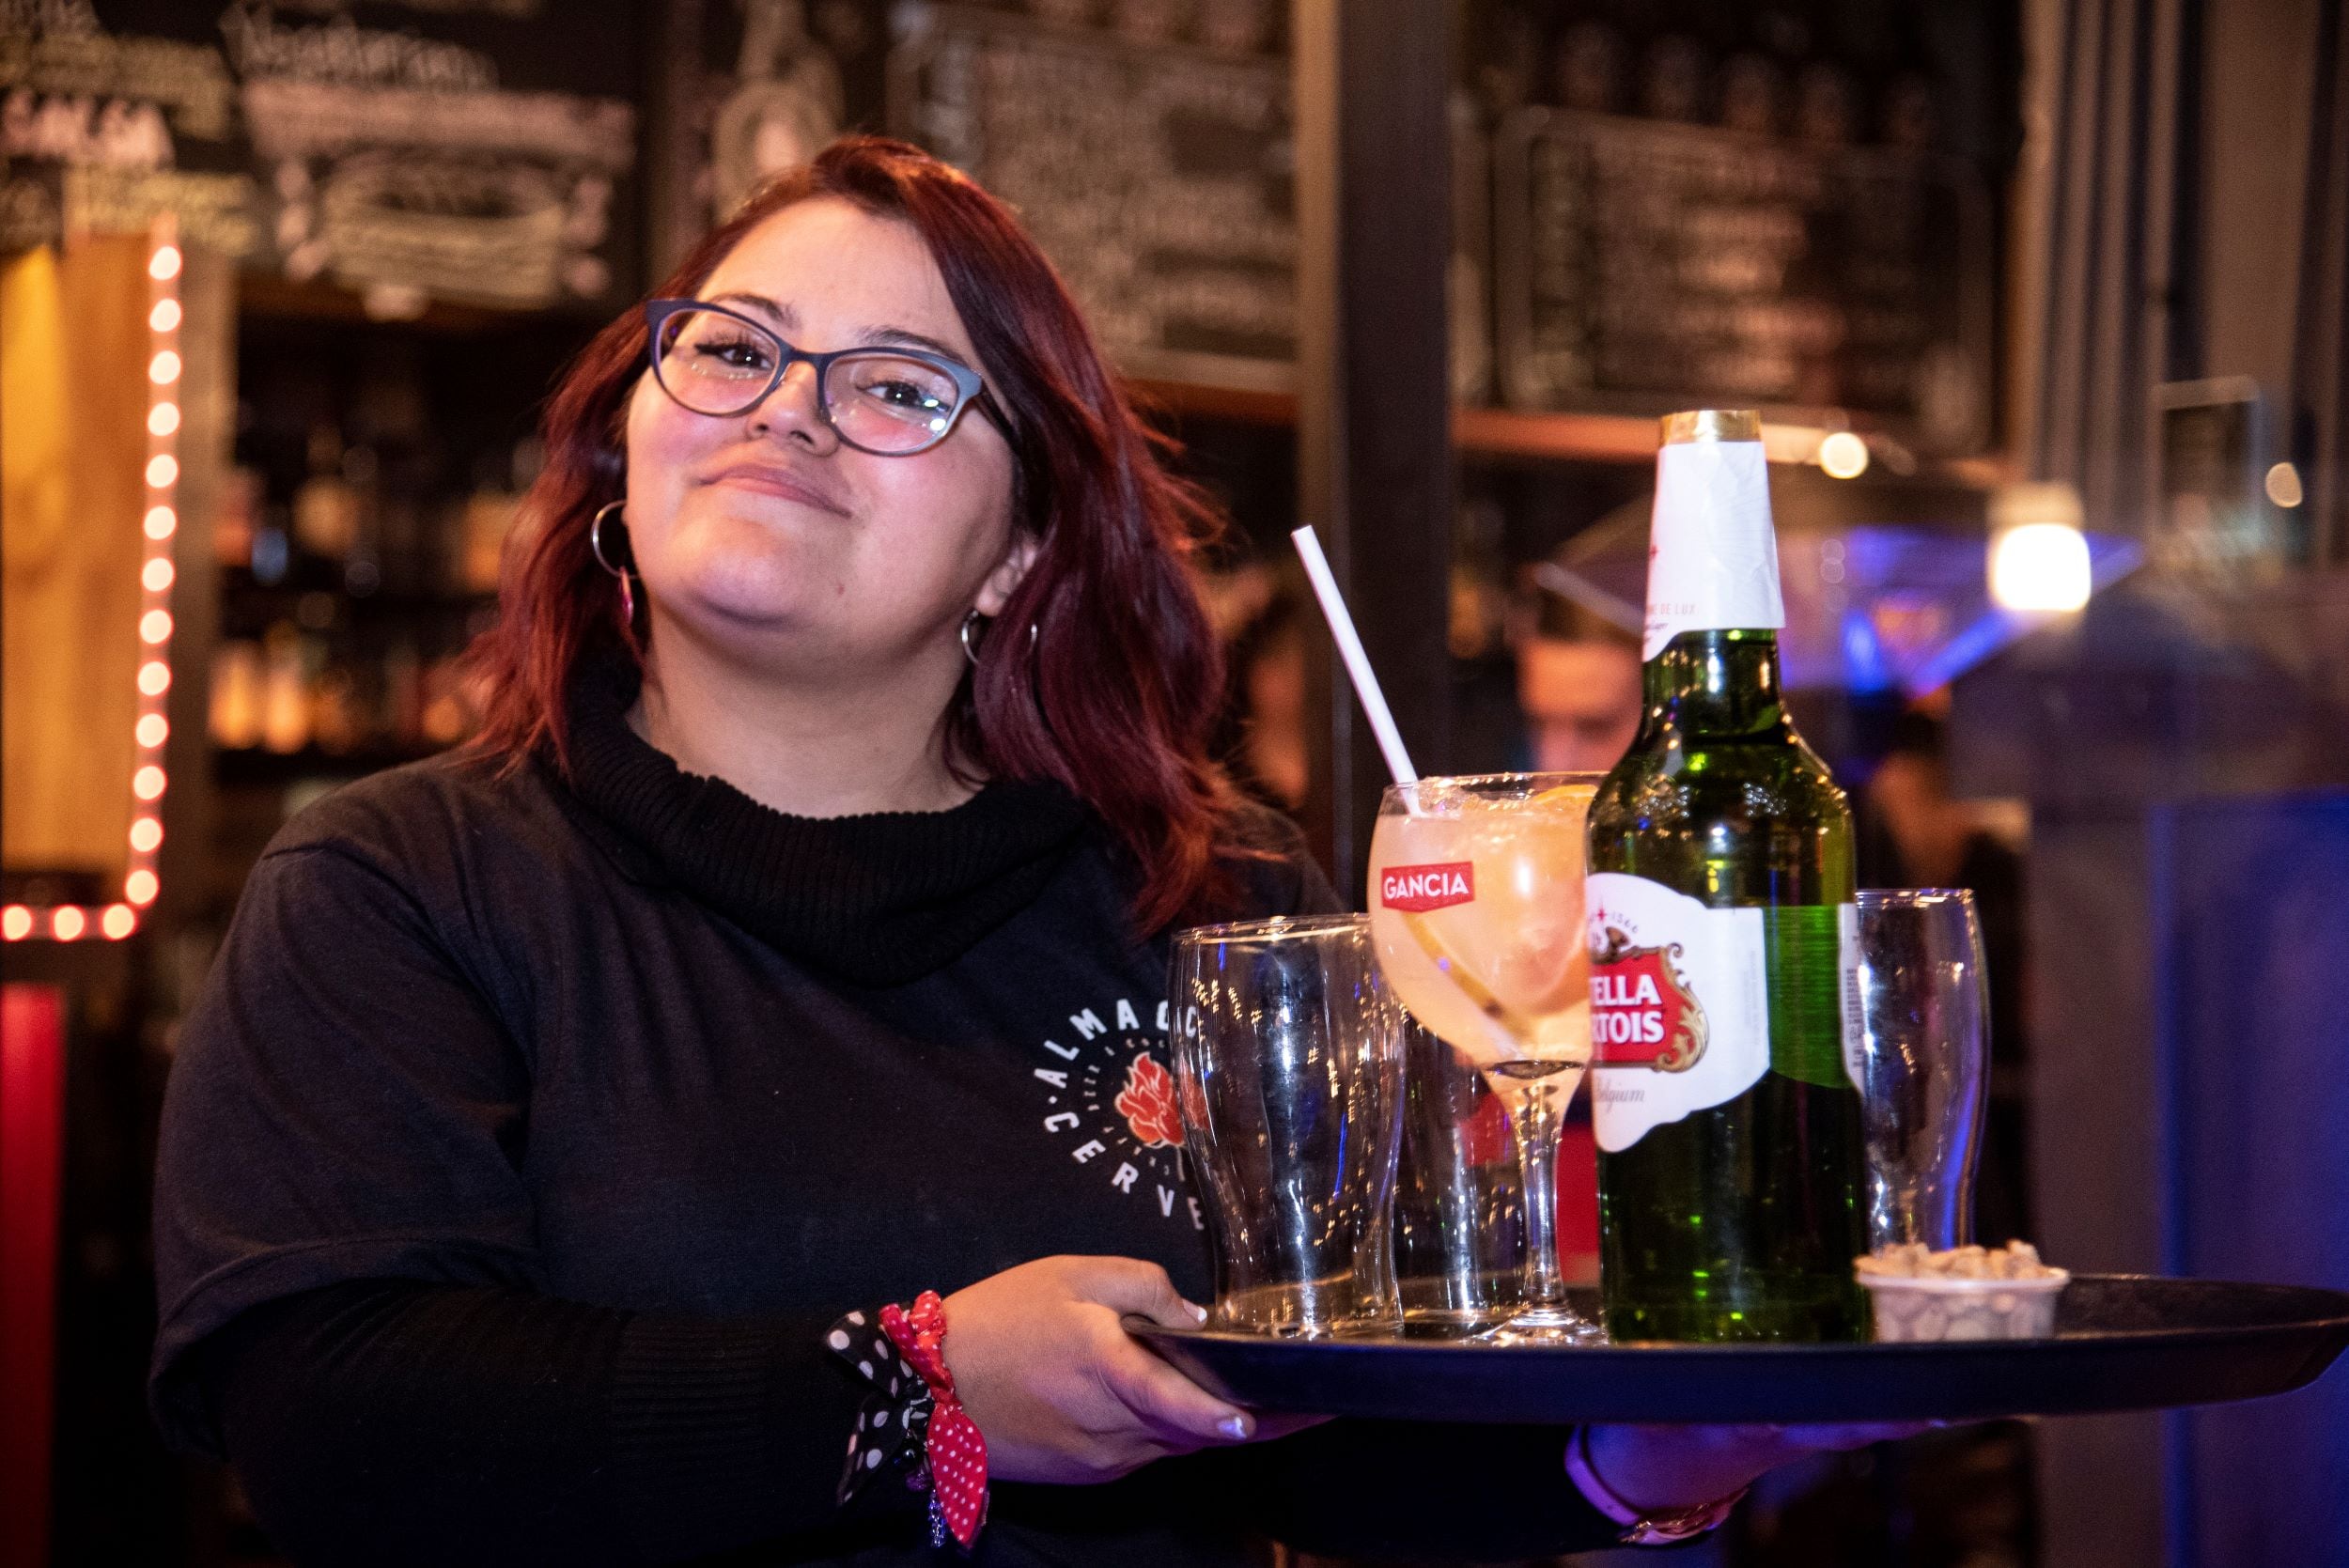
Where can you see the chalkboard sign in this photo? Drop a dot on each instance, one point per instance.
(1158, 177)
(1643, 266)
(470, 149)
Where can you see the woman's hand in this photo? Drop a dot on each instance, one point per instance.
(1661, 1469)
(1062, 1392)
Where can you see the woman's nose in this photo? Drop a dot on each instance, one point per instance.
(791, 411)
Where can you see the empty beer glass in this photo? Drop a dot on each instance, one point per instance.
(1288, 1070)
(1923, 1016)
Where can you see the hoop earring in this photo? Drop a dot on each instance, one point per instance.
(969, 649)
(594, 547)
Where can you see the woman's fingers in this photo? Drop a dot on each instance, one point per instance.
(1130, 1285)
(1167, 1400)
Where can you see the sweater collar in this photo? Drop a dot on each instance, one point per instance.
(877, 900)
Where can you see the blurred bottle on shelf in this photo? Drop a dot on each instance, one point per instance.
(238, 517)
(285, 688)
(326, 506)
(236, 697)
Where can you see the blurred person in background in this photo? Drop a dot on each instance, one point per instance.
(1577, 678)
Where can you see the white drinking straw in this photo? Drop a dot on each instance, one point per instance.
(1350, 649)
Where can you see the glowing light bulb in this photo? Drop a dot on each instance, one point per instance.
(152, 731)
(157, 574)
(16, 923)
(140, 887)
(164, 264)
(162, 472)
(148, 782)
(2040, 566)
(67, 924)
(146, 833)
(162, 521)
(155, 627)
(2283, 485)
(163, 368)
(1843, 455)
(117, 922)
(154, 678)
(164, 316)
(162, 419)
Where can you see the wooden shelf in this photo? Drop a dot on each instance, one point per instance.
(1589, 437)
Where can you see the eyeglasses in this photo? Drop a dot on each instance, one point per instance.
(891, 402)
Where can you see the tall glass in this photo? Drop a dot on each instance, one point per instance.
(1476, 909)
(1923, 1013)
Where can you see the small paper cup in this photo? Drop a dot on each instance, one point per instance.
(1921, 1309)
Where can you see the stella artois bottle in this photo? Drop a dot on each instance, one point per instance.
(1723, 1000)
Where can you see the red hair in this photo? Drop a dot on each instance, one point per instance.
(1114, 700)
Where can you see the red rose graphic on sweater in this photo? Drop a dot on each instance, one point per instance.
(1148, 1104)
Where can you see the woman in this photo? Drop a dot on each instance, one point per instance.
(786, 950)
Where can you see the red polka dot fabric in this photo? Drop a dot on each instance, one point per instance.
(957, 1455)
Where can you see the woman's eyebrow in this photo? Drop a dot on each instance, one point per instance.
(787, 320)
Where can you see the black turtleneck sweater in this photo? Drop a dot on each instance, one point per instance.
(529, 1135)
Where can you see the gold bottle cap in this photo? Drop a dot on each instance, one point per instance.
(1712, 424)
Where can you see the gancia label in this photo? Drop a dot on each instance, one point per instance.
(1418, 889)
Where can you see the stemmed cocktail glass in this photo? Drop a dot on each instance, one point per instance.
(1476, 909)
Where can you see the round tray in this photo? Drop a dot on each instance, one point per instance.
(2122, 1343)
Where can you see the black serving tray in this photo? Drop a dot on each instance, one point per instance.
(2122, 1343)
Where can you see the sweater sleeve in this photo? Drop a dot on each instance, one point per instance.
(389, 1422)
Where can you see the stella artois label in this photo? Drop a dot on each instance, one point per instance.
(1680, 1006)
(1712, 560)
(1417, 888)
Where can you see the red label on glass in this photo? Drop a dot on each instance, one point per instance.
(1418, 889)
(1642, 1014)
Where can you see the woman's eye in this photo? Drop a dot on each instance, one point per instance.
(904, 394)
(740, 355)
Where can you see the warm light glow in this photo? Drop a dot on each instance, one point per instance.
(161, 520)
(154, 678)
(155, 627)
(2283, 485)
(117, 922)
(2039, 566)
(157, 574)
(1843, 455)
(140, 888)
(153, 730)
(164, 316)
(16, 923)
(148, 782)
(164, 264)
(162, 419)
(163, 368)
(162, 471)
(146, 833)
(67, 924)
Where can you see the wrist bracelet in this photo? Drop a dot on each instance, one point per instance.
(1641, 1526)
(912, 1425)
(955, 1451)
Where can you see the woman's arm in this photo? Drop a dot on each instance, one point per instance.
(394, 1421)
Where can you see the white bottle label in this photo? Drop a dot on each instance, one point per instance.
(1680, 1006)
(1712, 557)
(1855, 1021)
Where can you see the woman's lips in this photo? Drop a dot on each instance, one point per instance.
(778, 482)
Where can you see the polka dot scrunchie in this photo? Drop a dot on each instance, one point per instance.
(912, 1424)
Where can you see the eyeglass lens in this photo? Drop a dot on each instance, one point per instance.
(713, 363)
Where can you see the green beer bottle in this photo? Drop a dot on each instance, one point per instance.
(1723, 1018)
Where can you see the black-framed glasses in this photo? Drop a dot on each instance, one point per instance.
(891, 402)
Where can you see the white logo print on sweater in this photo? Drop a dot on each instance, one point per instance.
(1108, 1093)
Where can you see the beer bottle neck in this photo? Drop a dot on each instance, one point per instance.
(1715, 684)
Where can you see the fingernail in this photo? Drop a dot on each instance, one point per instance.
(1235, 1427)
(1199, 1314)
